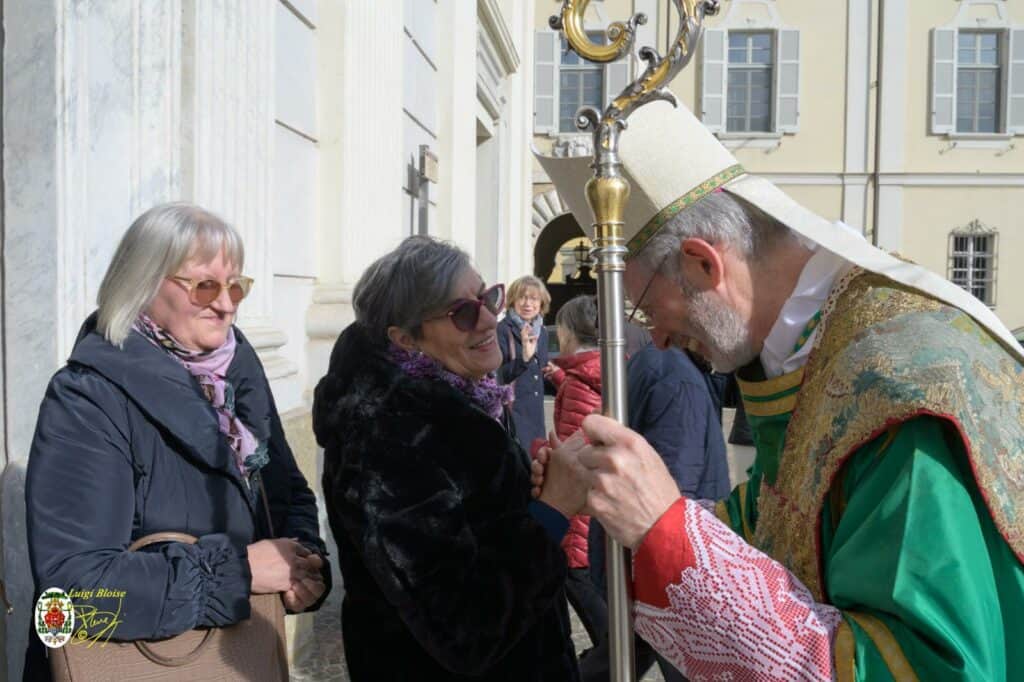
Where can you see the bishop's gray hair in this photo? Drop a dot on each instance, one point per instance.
(403, 287)
(718, 218)
(157, 244)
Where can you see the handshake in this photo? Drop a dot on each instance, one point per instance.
(608, 471)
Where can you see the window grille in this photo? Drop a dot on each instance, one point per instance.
(973, 260)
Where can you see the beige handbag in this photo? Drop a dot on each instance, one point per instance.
(252, 649)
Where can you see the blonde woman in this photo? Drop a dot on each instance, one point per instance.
(163, 420)
(524, 355)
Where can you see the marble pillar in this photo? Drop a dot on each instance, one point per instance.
(227, 139)
(90, 139)
(109, 108)
(361, 157)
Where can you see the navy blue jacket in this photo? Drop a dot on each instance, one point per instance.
(127, 445)
(671, 406)
(528, 408)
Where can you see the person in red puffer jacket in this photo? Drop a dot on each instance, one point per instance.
(578, 380)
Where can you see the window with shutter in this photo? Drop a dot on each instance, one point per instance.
(787, 81)
(750, 82)
(978, 81)
(580, 83)
(977, 75)
(713, 80)
(943, 80)
(1015, 82)
(545, 82)
(750, 73)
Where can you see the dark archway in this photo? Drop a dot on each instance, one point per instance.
(552, 237)
(557, 232)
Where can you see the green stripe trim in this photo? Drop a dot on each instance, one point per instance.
(769, 398)
(809, 328)
(689, 199)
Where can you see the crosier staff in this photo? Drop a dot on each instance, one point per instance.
(607, 194)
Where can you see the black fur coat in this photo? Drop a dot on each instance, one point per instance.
(447, 576)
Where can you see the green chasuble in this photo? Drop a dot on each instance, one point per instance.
(905, 544)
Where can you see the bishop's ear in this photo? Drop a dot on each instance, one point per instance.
(701, 264)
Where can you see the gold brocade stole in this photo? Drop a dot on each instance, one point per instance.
(885, 354)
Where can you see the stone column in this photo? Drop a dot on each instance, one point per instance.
(456, 202)
(360, 62)
(227, 139)
(91, 138)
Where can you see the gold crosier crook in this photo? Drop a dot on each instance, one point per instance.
(607, 193)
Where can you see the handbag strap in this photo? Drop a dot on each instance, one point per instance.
(143, 647)
(175, 661)
(266, 504)
(167, 536)
(171, 536)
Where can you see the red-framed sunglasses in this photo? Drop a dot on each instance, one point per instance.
(465, 312)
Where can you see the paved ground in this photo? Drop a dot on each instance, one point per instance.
(324, 659)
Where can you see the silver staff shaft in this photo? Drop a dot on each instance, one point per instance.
(611, 303)
(608, 195)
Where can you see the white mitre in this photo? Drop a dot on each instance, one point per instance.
(671, 161)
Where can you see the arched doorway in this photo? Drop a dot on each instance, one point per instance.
(557, 252)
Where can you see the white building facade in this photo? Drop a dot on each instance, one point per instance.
(325, 130)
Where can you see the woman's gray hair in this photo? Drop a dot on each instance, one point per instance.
(156, 245)
(718, 218)
(579, 316)
(402, 288)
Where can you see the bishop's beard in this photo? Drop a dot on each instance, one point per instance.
(719, 328)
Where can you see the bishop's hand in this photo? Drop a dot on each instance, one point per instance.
(629, 485)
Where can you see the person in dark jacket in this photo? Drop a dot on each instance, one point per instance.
(579, 394)
(524, 355)
(451, 571)
(163, 420)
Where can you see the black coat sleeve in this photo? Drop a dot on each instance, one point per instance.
(80, 504)
(468, 570)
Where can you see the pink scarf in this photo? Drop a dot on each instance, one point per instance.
(210, 369)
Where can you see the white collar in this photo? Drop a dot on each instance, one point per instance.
(816, 280)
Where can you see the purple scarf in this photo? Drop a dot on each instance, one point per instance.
(487, 393)
(210, 369)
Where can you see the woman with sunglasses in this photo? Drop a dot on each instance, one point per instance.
(163, 420)
(451, 572)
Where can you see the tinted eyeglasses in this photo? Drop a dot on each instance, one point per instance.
(203, 292)
(465, 312)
